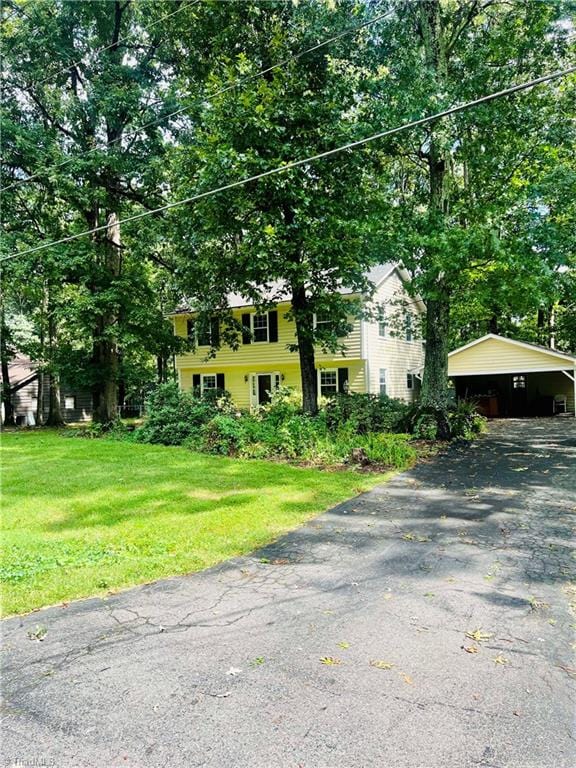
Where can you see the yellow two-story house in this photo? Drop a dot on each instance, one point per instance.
(377, 358)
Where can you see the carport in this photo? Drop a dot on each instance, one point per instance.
(514, 378)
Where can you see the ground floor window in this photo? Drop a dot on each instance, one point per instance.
(382, 381)
(328, 382)
(409, 381)
(207, 381)
(69, 403)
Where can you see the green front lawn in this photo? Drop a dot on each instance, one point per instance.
(83, 517)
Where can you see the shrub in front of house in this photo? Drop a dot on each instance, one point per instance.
(174, 417)
(465, 421)
(366, 413)
(348, 426)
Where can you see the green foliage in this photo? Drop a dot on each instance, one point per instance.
(366, 413)
(465, 421)
(425, 427)
(222, 435)
(173, 416)
(279, 429)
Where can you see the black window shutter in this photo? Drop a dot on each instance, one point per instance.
(196, 380)
(246, 328)
(220, 381)
(215, 332)
(190, 324)
(273, 325)
(342, 379)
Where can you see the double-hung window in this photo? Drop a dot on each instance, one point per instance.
(260, 327)
(207, 381)
(324, 322)
(328, 382)
(409, 381)
(382, 381)
(408, 326)
(382, 323)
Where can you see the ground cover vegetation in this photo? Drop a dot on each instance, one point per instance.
(348, 428)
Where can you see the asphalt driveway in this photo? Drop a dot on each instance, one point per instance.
(344, 644)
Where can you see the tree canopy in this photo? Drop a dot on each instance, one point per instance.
(117, 108)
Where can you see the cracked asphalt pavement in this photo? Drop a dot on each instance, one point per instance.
(343, 644)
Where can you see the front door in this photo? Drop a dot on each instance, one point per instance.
(264, 388)
(261, 385)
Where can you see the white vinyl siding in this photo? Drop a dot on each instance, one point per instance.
(392, 352)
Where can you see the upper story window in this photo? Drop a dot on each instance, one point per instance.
(205, 332)
(409, 326)
(324, 322)
(382, 323)
(260, 327)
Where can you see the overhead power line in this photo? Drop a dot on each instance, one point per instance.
(305, 161)
(208, 97)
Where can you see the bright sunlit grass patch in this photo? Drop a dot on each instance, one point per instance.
(83, 517)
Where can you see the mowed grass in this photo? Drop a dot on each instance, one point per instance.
(86, 517)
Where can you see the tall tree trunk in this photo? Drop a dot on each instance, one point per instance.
(434, 398)
(5, 355)
(40, 400)
(105, 347)
(7, 392)
(55, 417)
(44, 309)
(303, 319)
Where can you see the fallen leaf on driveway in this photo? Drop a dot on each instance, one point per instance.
(38, 634)
(407, 679)
(330, 661)
(500, 659)
(379, 664)
(471, 648)
(387, 596)
(343, 644)
(478, 635)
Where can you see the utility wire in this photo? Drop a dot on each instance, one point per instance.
(210, 95)
(305, 161)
